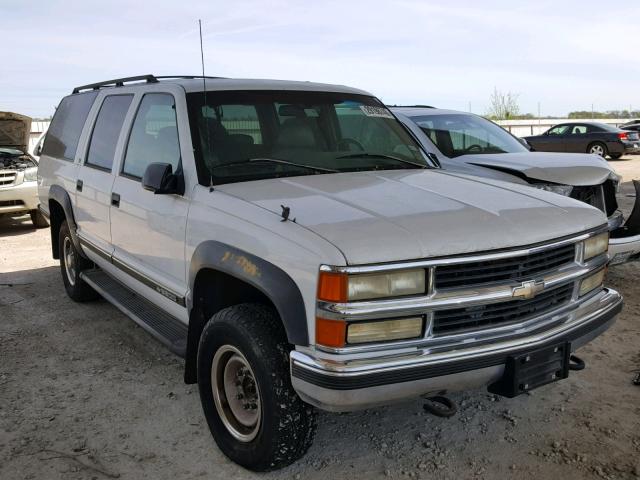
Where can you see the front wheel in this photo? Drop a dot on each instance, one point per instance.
(38, 219)
(598, 148)
(253, 412)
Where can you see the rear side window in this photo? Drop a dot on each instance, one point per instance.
(106, 131)
(63, 135)
(154, 135)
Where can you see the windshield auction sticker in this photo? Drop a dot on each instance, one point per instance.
(371, 111)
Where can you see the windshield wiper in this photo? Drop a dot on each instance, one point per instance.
(277, 160)
(381, 155)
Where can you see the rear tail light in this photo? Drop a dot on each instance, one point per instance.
(622, 136)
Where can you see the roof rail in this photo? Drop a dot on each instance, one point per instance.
(118, 82)
(413, 106)
(188, 77)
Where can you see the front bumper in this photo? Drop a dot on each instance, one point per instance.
(353, 384)
(19, 198)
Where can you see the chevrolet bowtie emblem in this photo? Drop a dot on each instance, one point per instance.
(528, 289)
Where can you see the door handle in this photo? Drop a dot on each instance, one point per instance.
(79, 185)
(115, 200)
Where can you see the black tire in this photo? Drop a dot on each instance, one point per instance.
(601, 147)
(38, 219)
(615, 156)
(286, 425)
(77, 289)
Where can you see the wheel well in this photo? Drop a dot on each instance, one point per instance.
(56, 217)
(213, 291)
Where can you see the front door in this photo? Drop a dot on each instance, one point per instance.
(95, 177)
(148, 230)
(553, 140)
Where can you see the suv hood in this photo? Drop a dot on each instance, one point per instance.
(397, 215)
(14, 131)
(574, 169)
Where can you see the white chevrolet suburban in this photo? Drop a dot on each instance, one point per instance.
(294, 243)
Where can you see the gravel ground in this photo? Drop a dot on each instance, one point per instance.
(86, 394)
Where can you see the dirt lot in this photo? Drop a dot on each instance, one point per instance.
(86, 394)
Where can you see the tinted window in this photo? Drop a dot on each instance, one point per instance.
(559, 130)
(107, 129)
(63, 135)
(154, 135)
(578, 129)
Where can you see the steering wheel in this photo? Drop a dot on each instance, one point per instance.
(474, 147)
(345, 142)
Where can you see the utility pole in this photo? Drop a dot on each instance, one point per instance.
(538, 113)
(592, 111)
(469, 107)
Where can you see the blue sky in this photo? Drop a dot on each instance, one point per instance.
(564, 54)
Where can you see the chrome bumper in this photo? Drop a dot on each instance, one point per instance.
(342, 385)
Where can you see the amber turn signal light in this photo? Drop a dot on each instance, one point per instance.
(331, 333)
(332, 287)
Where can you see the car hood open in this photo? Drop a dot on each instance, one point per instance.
(574, 169)
(409, 214)
(14, 131)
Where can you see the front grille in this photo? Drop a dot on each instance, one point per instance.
(591, 195)
(521, 268)
(458, 320)
(11, 203)
(7, 178)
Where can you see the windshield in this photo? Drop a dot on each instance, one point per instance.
(242, 136)
(460, 134)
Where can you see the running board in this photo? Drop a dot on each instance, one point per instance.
(167, 329)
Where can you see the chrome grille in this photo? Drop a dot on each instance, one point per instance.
(7, 178)
(458, 320)
(521, 268)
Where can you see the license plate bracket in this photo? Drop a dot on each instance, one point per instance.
(532, 369)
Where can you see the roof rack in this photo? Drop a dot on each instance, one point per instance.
(118, 82)
(187, 77)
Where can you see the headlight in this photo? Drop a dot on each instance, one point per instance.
(596, 245)
(384, 331)
(31, 174)
(339, 287)
(592, 282)
(564, 190)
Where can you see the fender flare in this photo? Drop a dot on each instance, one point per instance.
(60, 195)
(271, 280)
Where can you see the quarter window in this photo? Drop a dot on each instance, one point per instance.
(62, 137)
(154, 135)
(106, 131)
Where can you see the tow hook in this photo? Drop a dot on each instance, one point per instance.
(440, 406)
(576, 363)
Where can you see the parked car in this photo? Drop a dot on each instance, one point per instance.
(590, 137)
(18, 170)
(470, 144)
(630, 122)
(634, 127)
(298, 248)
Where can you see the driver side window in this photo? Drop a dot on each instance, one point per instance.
(559, 130)
(154, 136)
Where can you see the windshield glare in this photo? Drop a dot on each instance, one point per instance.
(241, 136)
(460, 134)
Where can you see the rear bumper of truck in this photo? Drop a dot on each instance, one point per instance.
(335, 385)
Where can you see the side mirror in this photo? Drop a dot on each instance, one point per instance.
(160, 179)
(524, 143)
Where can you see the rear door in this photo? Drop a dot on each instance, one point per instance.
(148, 230)
(577, 138)
(95, 176)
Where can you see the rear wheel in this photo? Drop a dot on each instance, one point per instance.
(71, 265)
(598, 148)
(253, 412)
(615, 156)
(38, 219)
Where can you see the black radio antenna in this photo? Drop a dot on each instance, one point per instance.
(204, 107)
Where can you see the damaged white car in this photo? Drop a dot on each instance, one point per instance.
(467, 143)
(18, 170)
